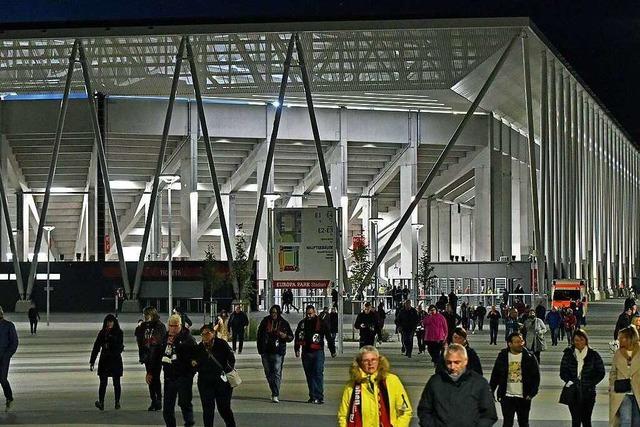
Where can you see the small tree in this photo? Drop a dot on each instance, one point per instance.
(424, 275)
(242, 270)
(360, 266)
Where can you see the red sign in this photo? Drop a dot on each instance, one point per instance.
(301, 284)
(107, 244)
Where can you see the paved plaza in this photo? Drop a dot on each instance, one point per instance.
(53, 385)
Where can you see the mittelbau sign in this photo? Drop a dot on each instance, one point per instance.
(304, 247)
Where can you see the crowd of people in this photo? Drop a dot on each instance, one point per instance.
(456, 394)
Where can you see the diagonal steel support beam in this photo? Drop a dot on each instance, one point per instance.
(434, 170)
(12, 242)
(52, 169)
(270, 152)
(102, 159)
(158, 171)
(318, 142)
(532, 162)
(212, 167)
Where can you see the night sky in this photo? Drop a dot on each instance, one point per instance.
(601, 40)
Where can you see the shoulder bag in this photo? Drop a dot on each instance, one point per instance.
(232, 377)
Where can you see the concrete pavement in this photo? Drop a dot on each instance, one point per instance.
(53, 385)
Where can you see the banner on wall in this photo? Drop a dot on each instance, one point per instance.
(304, 248)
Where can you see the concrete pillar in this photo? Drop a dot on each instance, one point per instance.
(24, 218)
(465, 233)
(444, 232)
(5, 249)
(500, 164)
(433, 229)
(155, 250)
(484, 210)
(189, 189)
(262, 244)
(408, 188)
(456, 231)
(338, 180)
(229, 208)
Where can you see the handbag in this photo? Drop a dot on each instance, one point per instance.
(622, 386)
(569, 395)
(232, 377)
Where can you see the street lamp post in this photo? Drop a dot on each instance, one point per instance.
(374, 243)
(48, 229)
(170, 180)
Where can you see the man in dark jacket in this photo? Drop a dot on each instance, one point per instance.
(150, 336)
(494, 317)
(481, 311)
(624, 319)
(238, 321)
(179, 348)
(309, 337)
(516, 376)
(457, 396)
(453, 320)
(453, 300)
(8, 347)
(368, 323)
(407, 322)
(274, 333)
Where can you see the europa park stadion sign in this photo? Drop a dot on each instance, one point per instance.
(304, 248)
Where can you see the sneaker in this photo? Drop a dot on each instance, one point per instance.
(117, 405)
(8, 405)
(274, 399)
(99, 405)
(318, 402)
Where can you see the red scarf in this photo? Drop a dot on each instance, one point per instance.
(355, 407)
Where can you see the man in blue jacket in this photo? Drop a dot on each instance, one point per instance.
(554, 319)
(8, 347)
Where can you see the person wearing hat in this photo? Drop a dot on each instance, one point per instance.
(8, 347)
(212, 359)
(179, 347)
(109, 343)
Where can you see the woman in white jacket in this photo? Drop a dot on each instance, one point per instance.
(535, 330)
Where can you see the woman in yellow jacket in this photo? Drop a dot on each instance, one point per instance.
(373, 397)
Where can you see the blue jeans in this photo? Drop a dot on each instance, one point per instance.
(272, 364)
(555, 335)
(629, 412)
(313, 364)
